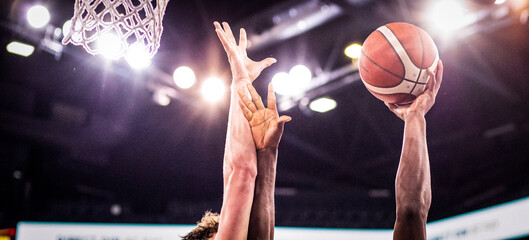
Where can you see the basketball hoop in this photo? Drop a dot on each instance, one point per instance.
(135, 23)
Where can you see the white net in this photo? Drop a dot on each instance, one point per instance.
(115, 27)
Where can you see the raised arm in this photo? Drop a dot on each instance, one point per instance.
(412, 184)
(240, 159)
(267, 128)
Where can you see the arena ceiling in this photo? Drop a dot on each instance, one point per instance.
(81, 139)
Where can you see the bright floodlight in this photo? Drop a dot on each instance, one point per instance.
(115, 209)
(110, 45)
(322, 105)
(161, 98)
(20, 48)
(137, 56)
(300, 74)
(302, 25)
(498, 2)
(294, 82)
(353, 51)
(282, 83)
(184, 77)
(38, 16)
(66, 27)
(213, 89)
(449, 15)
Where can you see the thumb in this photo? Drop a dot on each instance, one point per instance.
(283, 119)
(266, 63)
(392, 107)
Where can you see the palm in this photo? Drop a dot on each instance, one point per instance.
(264, 127)
(425, 101)
(265, 123)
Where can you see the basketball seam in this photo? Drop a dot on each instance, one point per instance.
(422, 63)
(403, 78)
(396, 37)
(394, 50)
(401, 59)
(363, 68)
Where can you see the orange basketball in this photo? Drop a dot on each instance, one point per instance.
(394, 61)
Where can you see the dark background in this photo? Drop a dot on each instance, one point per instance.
(80, 136)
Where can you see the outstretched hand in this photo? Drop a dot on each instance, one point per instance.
(424, 102)
(265, 123)
(242, 67)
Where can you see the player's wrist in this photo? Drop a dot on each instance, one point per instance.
(241, 80)
(240, 83)
(414, 115)
(267, 150)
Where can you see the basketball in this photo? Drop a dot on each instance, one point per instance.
(394, 62)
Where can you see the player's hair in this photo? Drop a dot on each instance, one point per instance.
(206, 227)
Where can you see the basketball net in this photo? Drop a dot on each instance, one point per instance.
(129, 24)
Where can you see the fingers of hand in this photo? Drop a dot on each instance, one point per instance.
(437, 78)
(245, 111)
(229, 33)
(242, 39)
(223, 39)
(217, 25)
(430, 85)
(271, 97)
(247, 102)
(255, 97)
(439, 74)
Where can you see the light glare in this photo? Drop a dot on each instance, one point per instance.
(282, 83)
(322, 105)
(293, 83)
(38, 16)
(19, 48)
(161, 98)
(449, 15)
(184, 77)
(66, 27)
(213, 89)
(137, 56)
(300, 73)
(109, 45)
(498, 2)
(353, 51)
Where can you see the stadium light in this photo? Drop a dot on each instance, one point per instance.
(137, 56)
(66, 27)
(213, 89)
(184, 77)
(353, 51)
(293, 83)
(19, 48)
(38, 16)
(449, 15)
(161, 98)
(322, 105)
(301, 74)
(282, 83)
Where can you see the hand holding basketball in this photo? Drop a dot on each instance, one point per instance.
(266, 125)
(394, 62)
(424, 102)
(242, 67)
